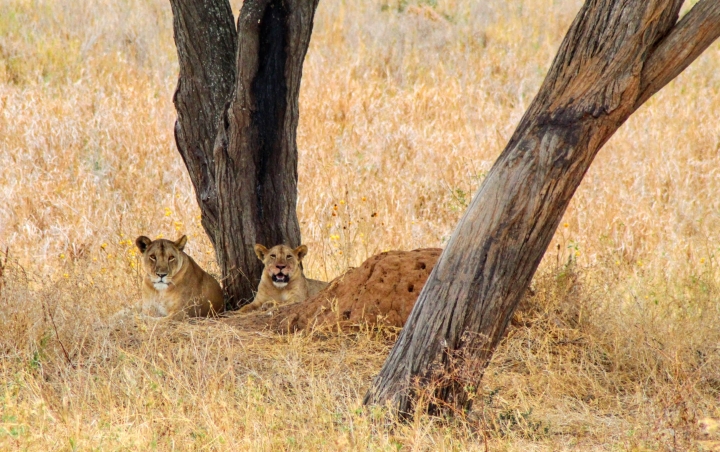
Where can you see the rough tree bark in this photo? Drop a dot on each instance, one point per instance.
(206, 43)
(616, 55)
(237, 104)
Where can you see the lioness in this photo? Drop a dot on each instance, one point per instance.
(174, 285)
(282, 280)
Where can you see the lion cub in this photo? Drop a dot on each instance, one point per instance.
(174, 285)
(282, 281)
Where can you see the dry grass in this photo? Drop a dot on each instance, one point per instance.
(404, 108)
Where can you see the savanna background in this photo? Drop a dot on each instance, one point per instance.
(404, 107)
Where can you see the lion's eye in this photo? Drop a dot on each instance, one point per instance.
(272, 256)
(289, 256)
(152, 258)
(171, 258)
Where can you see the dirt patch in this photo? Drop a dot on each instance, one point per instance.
(382, 291)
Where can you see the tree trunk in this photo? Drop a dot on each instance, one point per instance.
(206, 43)
(614, 57)
(246, 180)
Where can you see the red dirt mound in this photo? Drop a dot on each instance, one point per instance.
(382, 291)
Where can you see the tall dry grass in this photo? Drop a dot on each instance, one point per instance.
(404, 107)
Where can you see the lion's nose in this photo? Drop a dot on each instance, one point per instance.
(280, 267)
(161, 275)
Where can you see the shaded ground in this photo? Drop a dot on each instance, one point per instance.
(382, 291)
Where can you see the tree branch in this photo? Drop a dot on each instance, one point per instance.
(686, 41)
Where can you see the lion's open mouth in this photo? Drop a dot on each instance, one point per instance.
(280, 278)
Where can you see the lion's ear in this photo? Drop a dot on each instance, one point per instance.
(142, 243)
(261, 251)
(301, 251)
(180, 243)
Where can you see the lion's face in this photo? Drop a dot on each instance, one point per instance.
(161, 259)
(282, 263)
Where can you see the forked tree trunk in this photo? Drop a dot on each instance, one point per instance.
(614, 57)
(237, 104)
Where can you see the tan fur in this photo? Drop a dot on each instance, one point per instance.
(282, 260)
(185, 290)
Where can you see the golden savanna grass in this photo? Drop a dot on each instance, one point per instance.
(404, 107)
